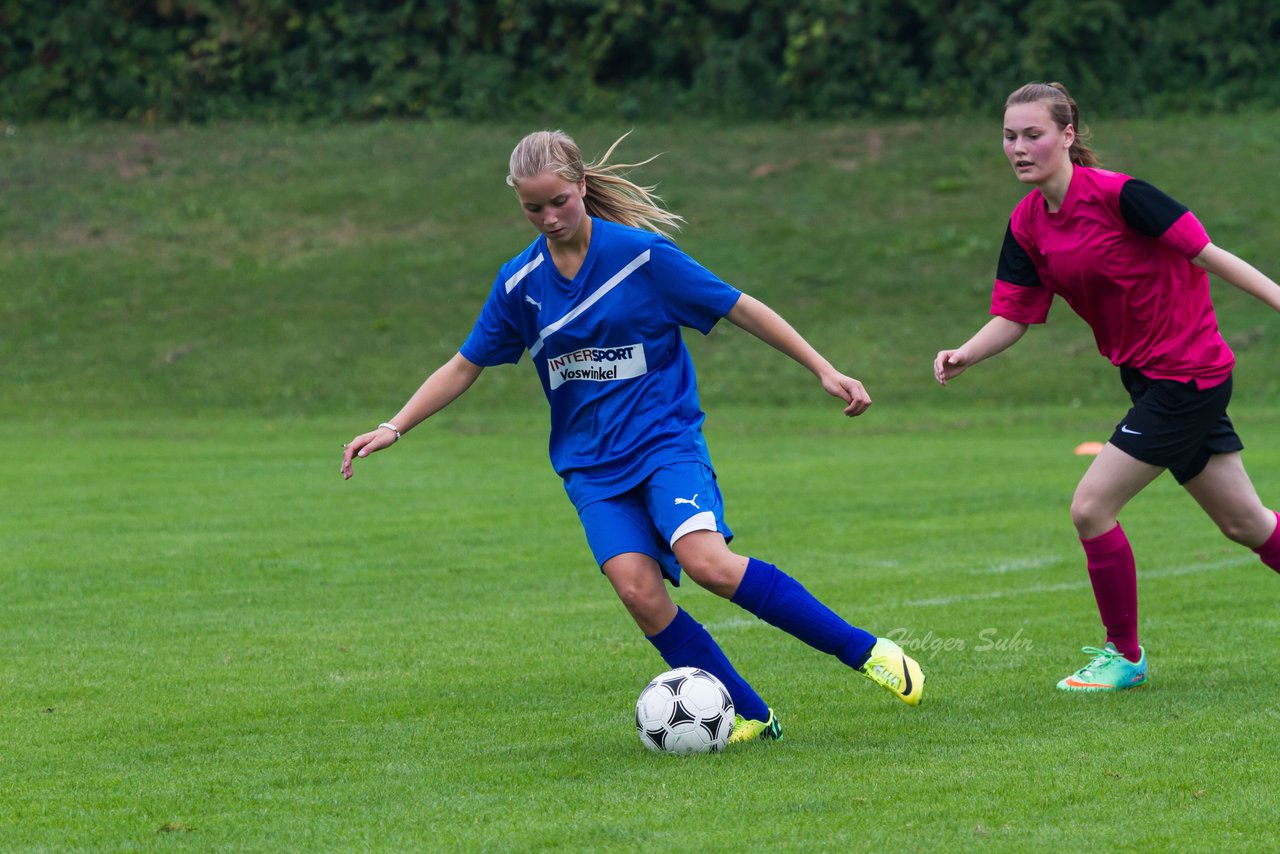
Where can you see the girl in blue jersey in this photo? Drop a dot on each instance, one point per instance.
(598, 300)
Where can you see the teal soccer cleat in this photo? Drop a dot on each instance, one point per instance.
(1108, 670)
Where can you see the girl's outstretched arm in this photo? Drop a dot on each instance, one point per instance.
(999, 334)
(443, 387)
(766, 324)
(1238, 272)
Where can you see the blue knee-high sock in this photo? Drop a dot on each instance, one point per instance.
(685, 643)
(781, 601)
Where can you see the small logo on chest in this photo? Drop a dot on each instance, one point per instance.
(533, 302)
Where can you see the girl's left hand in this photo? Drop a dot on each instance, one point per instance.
(850, 391)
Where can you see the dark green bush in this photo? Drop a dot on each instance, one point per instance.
(488, 59)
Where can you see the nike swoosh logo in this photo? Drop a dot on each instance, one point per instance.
(906, 671)
(1125, 429)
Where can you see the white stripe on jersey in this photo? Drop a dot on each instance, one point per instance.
(522, 272)
(599, 293)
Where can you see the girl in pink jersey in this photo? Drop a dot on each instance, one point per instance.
(1132, 263)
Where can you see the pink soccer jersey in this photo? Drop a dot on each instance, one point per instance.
(1119, 252)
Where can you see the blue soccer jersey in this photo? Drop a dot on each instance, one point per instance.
(607, 348)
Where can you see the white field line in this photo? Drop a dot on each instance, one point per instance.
(1016, 565)
(1083, 583)
(749, 622)
(736, 623)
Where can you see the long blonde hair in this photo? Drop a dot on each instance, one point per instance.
(1063, 111)
(609, 195)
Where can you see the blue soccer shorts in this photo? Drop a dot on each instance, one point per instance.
(675, 500)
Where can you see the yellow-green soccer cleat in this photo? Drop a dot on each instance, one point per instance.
(745, 730)
(1108, 670)
(895, 671)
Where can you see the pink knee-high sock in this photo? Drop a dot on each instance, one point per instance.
(1115, 586)
(1270, 550)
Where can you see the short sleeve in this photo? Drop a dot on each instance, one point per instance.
(495, 339)
(692, 294)
(1150, 211)
(1018, 294)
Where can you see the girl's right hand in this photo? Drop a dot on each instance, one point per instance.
(949, 364)
(364, 445)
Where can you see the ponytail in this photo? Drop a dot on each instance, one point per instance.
(608, 194)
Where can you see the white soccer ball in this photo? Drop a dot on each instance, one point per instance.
(686, 710)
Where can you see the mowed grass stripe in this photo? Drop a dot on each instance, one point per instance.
(209, 642)
(320, 664)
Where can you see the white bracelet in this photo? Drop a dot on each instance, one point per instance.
(393, 428)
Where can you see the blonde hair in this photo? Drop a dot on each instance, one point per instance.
(609, 195)
(1063, 111)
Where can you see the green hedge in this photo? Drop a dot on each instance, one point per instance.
(488, 59)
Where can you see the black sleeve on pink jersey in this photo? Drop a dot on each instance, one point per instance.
(1015, 265)
(1148, 210)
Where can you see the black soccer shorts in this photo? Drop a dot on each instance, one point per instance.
(1175, 425)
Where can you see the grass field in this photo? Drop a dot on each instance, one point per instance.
(210, 642)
